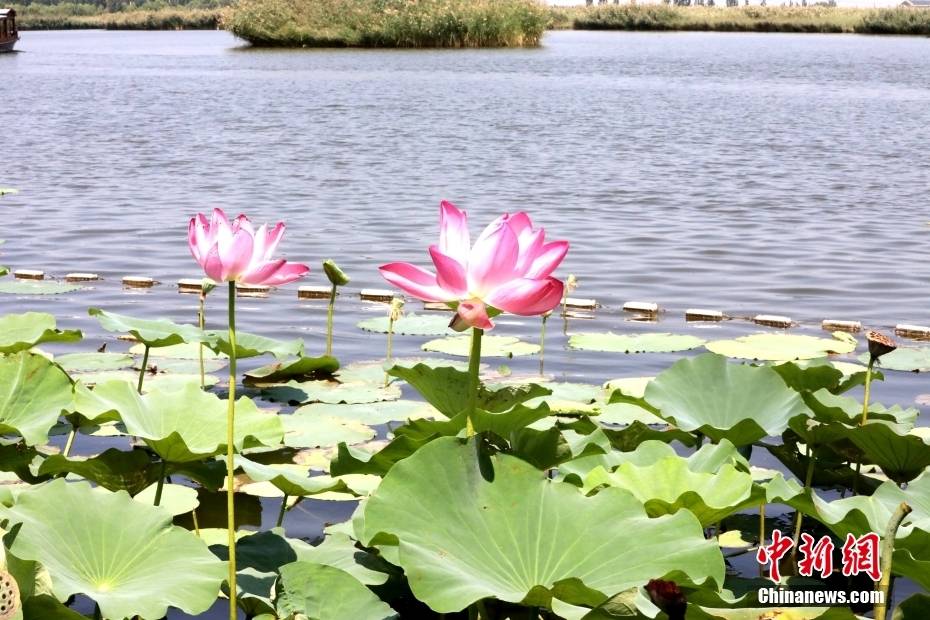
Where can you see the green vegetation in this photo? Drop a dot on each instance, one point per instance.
(824, 19)
(115, 15)
(389, 23)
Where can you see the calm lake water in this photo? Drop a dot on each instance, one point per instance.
(745, 172)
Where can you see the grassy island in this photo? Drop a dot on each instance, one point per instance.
(390, 23)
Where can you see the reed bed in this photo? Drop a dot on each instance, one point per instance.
(75, 16)
(389, 23)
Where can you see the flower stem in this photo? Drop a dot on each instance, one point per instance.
(230, 454)
(887, 555)
(202, 321)
(330, 312)
(809, 478)
(283, 510)
(761, 535)
(161, 483)
(196, 525)
(474, 365)
(145, 364)
(70, 441)
(542, 343)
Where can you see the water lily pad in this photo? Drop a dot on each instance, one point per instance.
(327, 593)
(77, 362)
(491, 346)
(175, 366)
(289, 479)
(373, 413)
(331, 392)
(175, 498)
(634, 343)
(783, 347)
(151, 332)
(410, 325)
(184, 351)
(286, 370)
(460, 538)
(37, 287)
(723, 400)
(304, 429)
(160, 380)
(631, 386)
(253, 345)
(23, 331)
(33, 393)
(906, 359)
(122, 554)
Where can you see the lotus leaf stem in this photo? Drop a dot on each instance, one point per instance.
(330, 314)
(196, 525)
(761, 535)
(886, 554)
(202, 321)
(474, 365)
(808, 479)
(161, 483)
(282, 511)
(70, 441)
(145, 364)
(542, 342)
(230, 453)
(868, 389)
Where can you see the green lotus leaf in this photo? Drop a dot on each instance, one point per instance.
(907, 359)
(491, 346)
(902, 457)
(570, 397)
(4, 191)
(304, 429)
(183, 351)
(175, 498)
(724, 400)
(33, 393)
(24, 331)
(339, 551)
(48, 607)
(184, 423)
(175, 366)
(522, 537)
(297, 368)
(37, 287)
(631, 386)
(829, 407)
(410, 325)
(164, 381)
(78, 362)
(912, 608)
(289, 479)
(331, 392)
(634, 343)
(373, 414)
(668, 485)
(253, 345)
(125, 556)
(113, 469)
(323, 592)
(151, 332)
(783, 347)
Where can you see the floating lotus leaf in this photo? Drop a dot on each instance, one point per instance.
(113, 469)
(723, 400)
(304, 429)
(339, 551)
(175, 366)
(631, 386)
(4, 191)
(78, 362)
(331, 392)
(151, 332)
(37, 287)
(24, 331)
(624, 414)
(183, 351)
(253, 345)
(33, 393)
(410, 325)
(163, 381)
(175, 498)
(183, 423)
(373, 413)
(122, 554)
(491, 346)
(522, 537)
(570, 397)
(634, 343)
(323, 592)
(668, 485)
(298, 368)
(289, 479)
(783, 347)
(906, 359)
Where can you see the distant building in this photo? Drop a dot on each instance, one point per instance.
(916, 4)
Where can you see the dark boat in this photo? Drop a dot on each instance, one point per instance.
(9, 35)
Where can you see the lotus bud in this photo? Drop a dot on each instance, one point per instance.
(667, 596)
(397, 306)
(571, 283)
(336, 275)
(879, 344)
(206, 286)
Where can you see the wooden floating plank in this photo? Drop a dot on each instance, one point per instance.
(436, 305)
(190, 285)
(81, 277)
(29, 274)
(772, 320)
(834, 325)
(252, 290)
(580, 304)
(375, 294)
(138, 282)
(700, 314)
(912, 331)
(642, 307)
(313, 292)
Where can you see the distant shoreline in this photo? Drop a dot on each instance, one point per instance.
(643, 17)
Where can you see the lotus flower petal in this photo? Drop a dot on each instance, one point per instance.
(415, 281)
(454, 240)
(527, 296)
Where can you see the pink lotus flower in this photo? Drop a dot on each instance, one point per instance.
(237, 252)
(506, 270)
